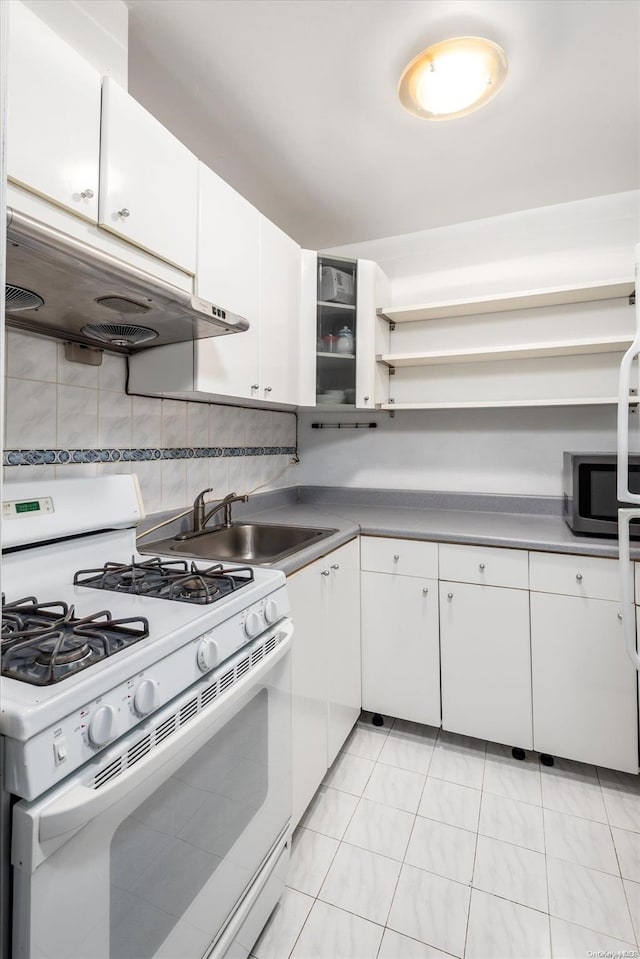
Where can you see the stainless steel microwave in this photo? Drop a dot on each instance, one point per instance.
(590, 492)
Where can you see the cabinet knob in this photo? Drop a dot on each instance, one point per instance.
(325, 572)
(87, 194)
(396, 557)
(255, 386)
(619, 615)
(366, 399)
(124, 213)
(449, 595)
(425, 590)
(481, 567)
(268, 389)
(335, 566)
(579, 577)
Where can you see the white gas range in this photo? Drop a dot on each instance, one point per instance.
(146, 731)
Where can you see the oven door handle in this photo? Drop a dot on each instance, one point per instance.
(74, 809)
(626, 583)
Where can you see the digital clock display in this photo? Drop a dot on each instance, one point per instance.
(31, 507)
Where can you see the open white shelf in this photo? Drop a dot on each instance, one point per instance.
(527, 299)
(491, 404)
(337, 306)
(612, 344)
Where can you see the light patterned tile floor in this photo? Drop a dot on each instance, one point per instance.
(427, 845)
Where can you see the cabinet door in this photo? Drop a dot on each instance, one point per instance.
(400, 647)
(53, 121)
(584, 686)
(227, 275)
(486, 663)
(279, 314)
(148, 181)
(309, 684)
(343, 644)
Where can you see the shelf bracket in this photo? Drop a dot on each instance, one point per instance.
(383, 316)
(632, 298)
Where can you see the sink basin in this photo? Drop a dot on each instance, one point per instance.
(258, 543)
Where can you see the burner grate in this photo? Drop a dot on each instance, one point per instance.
(176, 580)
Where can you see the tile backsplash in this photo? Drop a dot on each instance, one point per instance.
(67, 419)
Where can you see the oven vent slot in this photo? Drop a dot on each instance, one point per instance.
(109, 772)
(226, 680)
(257, 655)
(188, 711)
(270, 645)
(165, 729)
(139, 750)
(208, 694)
(243, 667)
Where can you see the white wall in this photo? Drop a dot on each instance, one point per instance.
(515, 451)
(97, 29)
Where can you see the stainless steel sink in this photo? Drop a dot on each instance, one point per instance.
(258, 543)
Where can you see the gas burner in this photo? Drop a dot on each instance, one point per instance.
(45, 643)
(167, 579)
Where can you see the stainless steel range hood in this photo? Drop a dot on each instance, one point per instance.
(94, 298)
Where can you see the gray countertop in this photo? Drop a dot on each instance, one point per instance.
(475, 519)
(512, 530)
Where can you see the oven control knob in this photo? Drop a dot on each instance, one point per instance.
(102, 726)
(271, 611)
(252, 625)
(207, 655)
(145, 699)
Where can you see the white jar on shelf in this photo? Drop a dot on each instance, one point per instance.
(345, 341)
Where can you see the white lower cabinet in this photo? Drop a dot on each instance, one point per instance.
(584, 686)
(486, 662)
(325, 607)
(400, 648)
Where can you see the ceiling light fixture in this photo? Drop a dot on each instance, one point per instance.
(453, 78)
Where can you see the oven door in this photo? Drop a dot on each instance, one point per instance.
(154, 861)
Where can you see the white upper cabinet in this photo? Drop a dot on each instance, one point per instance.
(53, 124)
(148, 181)
(228, 261)
(279, 291)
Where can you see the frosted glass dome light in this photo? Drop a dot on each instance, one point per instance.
(453, 78)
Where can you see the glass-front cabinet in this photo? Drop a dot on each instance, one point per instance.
(340, 331)
(336, 332)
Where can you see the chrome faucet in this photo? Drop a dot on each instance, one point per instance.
(201, 517)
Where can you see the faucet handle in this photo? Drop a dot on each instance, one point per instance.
(201, 495)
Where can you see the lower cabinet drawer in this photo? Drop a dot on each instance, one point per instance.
(589, 576)
(484, 565)
(406, 557)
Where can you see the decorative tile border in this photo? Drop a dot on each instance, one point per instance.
(59, 457)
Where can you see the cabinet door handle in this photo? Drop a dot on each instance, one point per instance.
(481, 567)
(425, 590)
(366, 399)
(255, 386)
(268, 389)
(619, 615)
(579, 577)
(87, 194)
(325, 572)
(335, 566)
(449, 595)
(396, 557)
(124, 213)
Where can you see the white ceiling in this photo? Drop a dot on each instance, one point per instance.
(293, 102)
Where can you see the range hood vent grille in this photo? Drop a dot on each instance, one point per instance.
(119, 334)
(18, 298)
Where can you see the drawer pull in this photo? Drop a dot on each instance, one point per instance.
(579, 577)
(425, 590)
(396, 557)
(481, 567)
(449, 595)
